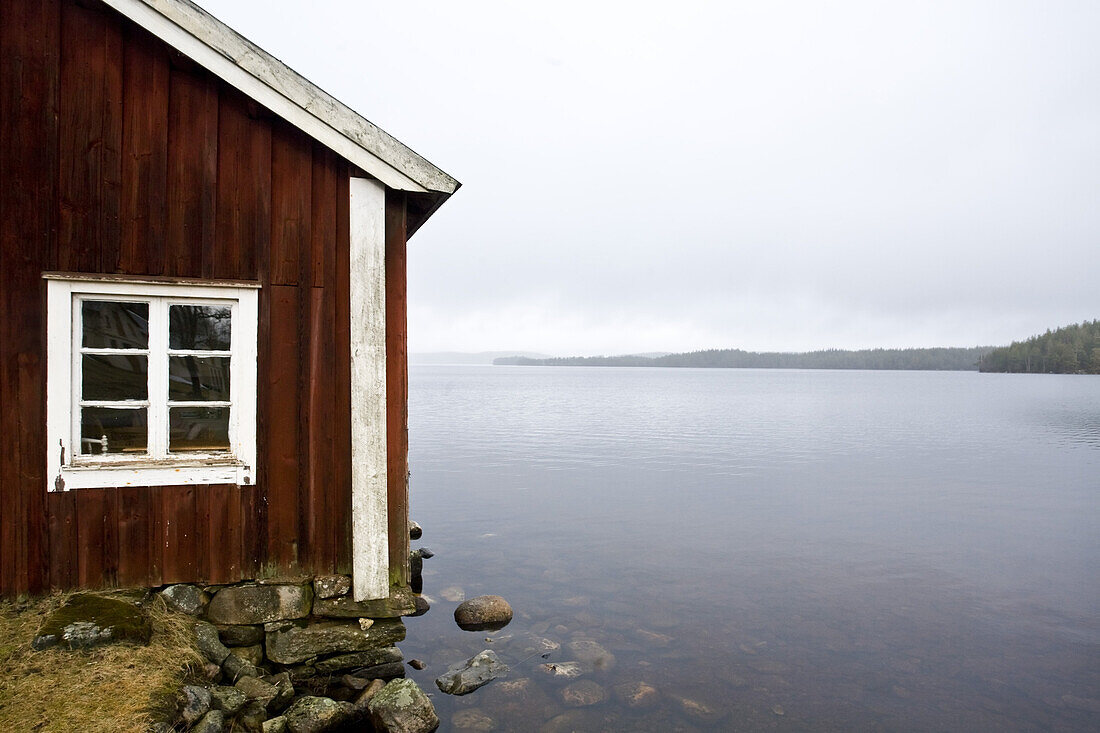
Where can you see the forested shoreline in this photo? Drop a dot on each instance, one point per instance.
(1073, 349)
(931, 359)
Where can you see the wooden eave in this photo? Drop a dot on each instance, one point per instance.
(242, 64)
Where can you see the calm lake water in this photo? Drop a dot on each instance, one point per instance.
(768, 550)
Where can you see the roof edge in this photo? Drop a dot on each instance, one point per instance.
(242, 64)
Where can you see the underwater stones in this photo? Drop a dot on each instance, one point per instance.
(699, 711)
(591, 653)
(583, 693)
(638, 694)
(472, 719)
(562, 670)
(258, 604)
(476, 671)
(483, 613)
(402, 707)
(453, 593)
(297, 644)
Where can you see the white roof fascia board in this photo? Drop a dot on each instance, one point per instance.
(259, 75)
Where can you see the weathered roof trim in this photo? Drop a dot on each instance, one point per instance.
(240, 63)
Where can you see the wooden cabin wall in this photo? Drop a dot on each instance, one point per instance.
(118, 155)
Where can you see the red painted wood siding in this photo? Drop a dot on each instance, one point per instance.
(118, 155)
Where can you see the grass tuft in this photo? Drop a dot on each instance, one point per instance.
(119, 687)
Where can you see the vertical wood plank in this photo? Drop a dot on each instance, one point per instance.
(63, 540)
(192, 172)
(91, 511)
(397, 389)
(283, 439)
(217, 537)
(291, 169)
(180, 546)
(145, 154)
(90, 140)
(341, 445)
(136, 542)
(253, 530)
(244, 191)
(29, 98)
(323, 490)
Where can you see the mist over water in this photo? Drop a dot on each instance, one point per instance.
(792, 549)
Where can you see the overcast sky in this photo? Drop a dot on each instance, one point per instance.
(760, 175)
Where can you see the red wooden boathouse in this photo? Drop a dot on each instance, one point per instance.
(202, 280)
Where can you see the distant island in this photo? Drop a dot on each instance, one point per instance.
(1073, 349)
(934, 359)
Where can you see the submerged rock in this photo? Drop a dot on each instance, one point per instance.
(472, 719)
(637, 694)
(478, 670)
(484, 613)
(583, 693)
(402, 707)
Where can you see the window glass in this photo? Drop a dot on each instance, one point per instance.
(200, 327)
(114, 377)
(112, 325)
(198, 429)
(112, 430)
(198, 378)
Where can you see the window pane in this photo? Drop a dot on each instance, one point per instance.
(123, 431)
(114, 377)
(198, 378)
(204, 429)
(111, 325)
(205, 327)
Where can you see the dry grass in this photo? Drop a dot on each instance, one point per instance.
(112, 688)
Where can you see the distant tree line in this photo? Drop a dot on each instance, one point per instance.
(936, 359)
(1070, 350)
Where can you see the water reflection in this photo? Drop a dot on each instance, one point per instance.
(841, 551)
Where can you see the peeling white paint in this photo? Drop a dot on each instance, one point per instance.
(370, 535)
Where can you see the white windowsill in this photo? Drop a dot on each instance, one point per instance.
(105, 475)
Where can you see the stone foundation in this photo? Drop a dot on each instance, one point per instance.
(283, 647)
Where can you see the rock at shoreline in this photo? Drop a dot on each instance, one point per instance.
(316, 714)
(402, 707)
(478, 670)
(258, 604)
(399, 603)
(297, 644)
(484, 613)
(415, 531)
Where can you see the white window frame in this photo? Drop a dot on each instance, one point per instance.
(66, 467)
